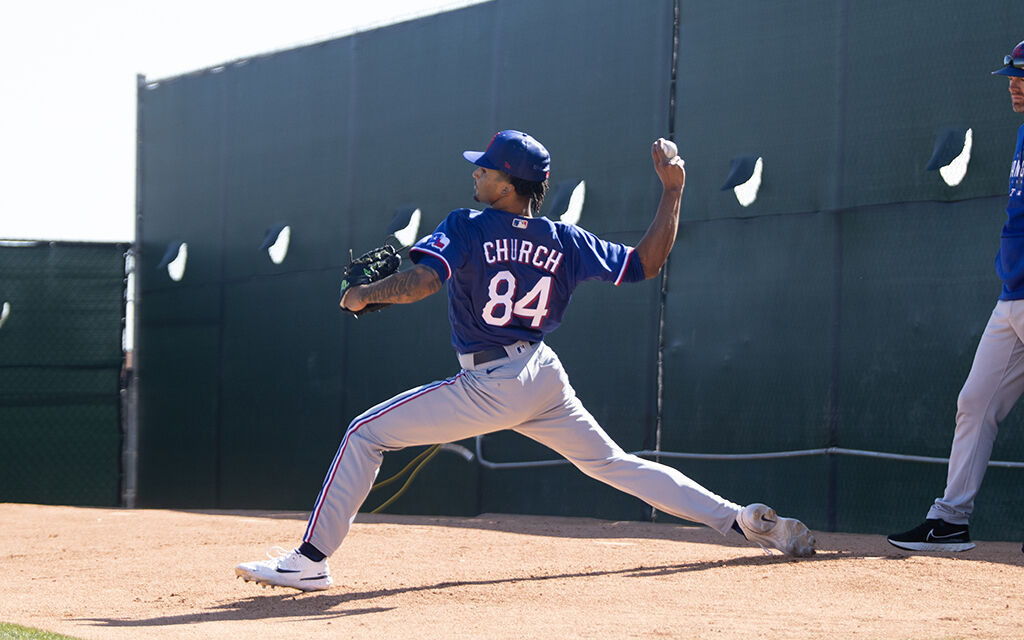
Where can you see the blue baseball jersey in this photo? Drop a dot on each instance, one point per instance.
(511, 277)
(1010, 259)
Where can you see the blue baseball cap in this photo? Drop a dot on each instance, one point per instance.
(516, 153)
(1013, 64)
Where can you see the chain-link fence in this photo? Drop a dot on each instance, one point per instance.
(61, 371)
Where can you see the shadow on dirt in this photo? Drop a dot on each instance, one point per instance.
(329, 604)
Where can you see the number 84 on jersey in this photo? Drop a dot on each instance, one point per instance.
(502, 306)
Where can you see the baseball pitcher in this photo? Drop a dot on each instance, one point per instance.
(510, 276)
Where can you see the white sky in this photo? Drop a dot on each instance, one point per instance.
(68, 76)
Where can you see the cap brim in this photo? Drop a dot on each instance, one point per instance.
(1009, 71)
(479, 158)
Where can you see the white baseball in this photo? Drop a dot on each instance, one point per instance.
(668, 148)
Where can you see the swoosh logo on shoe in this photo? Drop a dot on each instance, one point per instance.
(287, 570)
(931, 535)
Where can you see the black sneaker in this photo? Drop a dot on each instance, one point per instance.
(934, 535)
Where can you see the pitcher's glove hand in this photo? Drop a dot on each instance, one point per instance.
(372, 266)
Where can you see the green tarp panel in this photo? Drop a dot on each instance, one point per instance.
(842, 307)
(60, 372)
(333, 139)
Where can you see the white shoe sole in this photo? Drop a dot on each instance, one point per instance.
(932, 546)
(275, 580)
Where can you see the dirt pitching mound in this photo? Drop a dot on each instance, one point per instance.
(114, 573)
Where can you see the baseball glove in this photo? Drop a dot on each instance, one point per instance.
(372, 266)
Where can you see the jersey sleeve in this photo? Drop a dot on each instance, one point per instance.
(445, 250)
(602, 260)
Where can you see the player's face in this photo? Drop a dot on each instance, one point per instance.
(489, 185)
(1017, 93)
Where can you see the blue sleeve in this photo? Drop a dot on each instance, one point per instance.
(599, 259)
(445, 250)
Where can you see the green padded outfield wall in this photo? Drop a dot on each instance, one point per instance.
(840, 309)
(60, 372)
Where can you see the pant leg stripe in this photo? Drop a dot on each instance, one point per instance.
(356, 424)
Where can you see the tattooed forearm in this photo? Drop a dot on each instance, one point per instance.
(403, 287)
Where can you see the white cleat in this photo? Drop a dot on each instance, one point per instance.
(760, 524)
(287, 569)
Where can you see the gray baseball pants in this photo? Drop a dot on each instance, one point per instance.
(528, 392)
(993, 386)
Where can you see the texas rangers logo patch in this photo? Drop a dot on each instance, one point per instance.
(438, 241)
(519, 223)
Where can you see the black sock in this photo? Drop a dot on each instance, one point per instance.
(311, 552)
(736, 528)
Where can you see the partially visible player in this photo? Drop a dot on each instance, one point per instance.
(510, 276)
(996, 380)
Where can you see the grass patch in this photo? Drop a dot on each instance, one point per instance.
(17, 632)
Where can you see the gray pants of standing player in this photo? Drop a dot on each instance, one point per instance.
(993, 386)
(527, 392)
